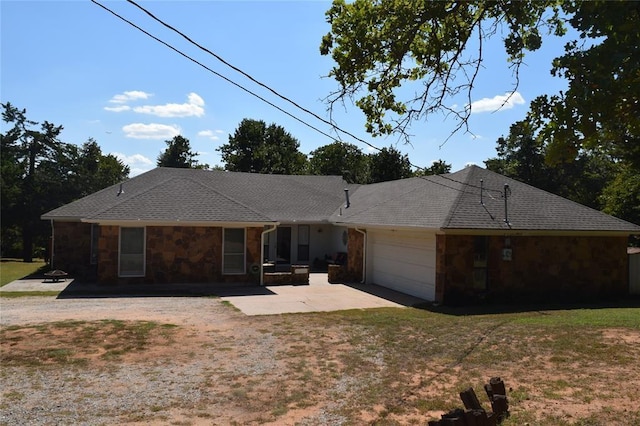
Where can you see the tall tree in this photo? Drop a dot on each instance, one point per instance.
(40, 173)
(388, 164)
(178, 154)
(257, 148)
(601, 107)
(522, 156)
(380, 45)
(95, 170)
(438, 167)
(29, 147)
(340, 159)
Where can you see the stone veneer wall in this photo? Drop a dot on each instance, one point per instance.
(355, 247)
(178, 254)
(543, 268)
(72, 247)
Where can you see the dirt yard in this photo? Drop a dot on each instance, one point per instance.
(198, 361)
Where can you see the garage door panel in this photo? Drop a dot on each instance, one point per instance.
(403, 261)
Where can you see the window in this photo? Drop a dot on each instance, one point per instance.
(303, 243)
(234, 250)
(132, 250)
(95, 236)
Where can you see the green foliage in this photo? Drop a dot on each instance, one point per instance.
(522, 155)
(621, 197)
(258, 148)
(601, 107)
(179, 155)
(388, 164)
(380, 45)
(340, 159)
(438, 167)
(40, 173)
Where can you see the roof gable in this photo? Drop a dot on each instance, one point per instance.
(170, 195)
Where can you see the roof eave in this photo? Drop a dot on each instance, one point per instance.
(138, 222)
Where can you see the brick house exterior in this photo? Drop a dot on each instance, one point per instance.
(174, 254)
(537, 268)
(449, 238)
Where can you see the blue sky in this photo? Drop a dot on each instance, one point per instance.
(76, 65)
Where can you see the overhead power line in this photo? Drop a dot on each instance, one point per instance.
(285, 98)
(212, 71)
(247, 75)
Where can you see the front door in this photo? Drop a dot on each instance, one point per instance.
(283, 245)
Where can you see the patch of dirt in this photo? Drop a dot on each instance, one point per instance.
(220, 367)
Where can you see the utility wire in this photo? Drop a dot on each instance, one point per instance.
(283, 97)
(259, 83)
(333, 125)
(212, 71)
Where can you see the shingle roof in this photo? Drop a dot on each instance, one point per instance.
(444, 202)
(452, 201)
(166, 194)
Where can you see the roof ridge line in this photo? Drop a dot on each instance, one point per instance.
(387, 200)
(456, 202)
(101, 211)
(230, 198)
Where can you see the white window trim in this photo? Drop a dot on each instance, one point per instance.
(144, 252)
(93, 251)
(244, 253)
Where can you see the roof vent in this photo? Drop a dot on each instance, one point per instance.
(346, 196)
(120, 192)
(507, 193)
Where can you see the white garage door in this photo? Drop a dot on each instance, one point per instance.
(403, 261)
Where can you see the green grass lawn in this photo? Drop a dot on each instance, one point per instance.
(14, 269)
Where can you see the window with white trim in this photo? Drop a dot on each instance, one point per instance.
(303, 243)
(234, 251)
(95, 237)
(132, 252)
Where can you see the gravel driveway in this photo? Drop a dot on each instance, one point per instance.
(215, 359)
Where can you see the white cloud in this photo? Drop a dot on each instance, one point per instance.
(133, 160)
(132, 95)
(211, 134)
(119, 108)
(498, 102)
(193, 108)
(150, 131)
(137, 163)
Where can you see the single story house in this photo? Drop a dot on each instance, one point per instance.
(448, 238)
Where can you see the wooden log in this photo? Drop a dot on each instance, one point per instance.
(497, 386)
(492, 419)
(470, 400)
(453, 418)
(489, 390)
(500, 407)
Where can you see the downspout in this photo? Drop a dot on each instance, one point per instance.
(52, 246)
(265, 232)
(364, 254)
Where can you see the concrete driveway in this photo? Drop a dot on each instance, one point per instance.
(318, 296)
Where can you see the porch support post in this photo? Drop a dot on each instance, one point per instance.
(265, 232)
(364, 254)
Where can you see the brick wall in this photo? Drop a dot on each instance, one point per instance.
(178, 254)
(72, 248)
(542, 268)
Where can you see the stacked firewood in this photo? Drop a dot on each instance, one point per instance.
(474, 414)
